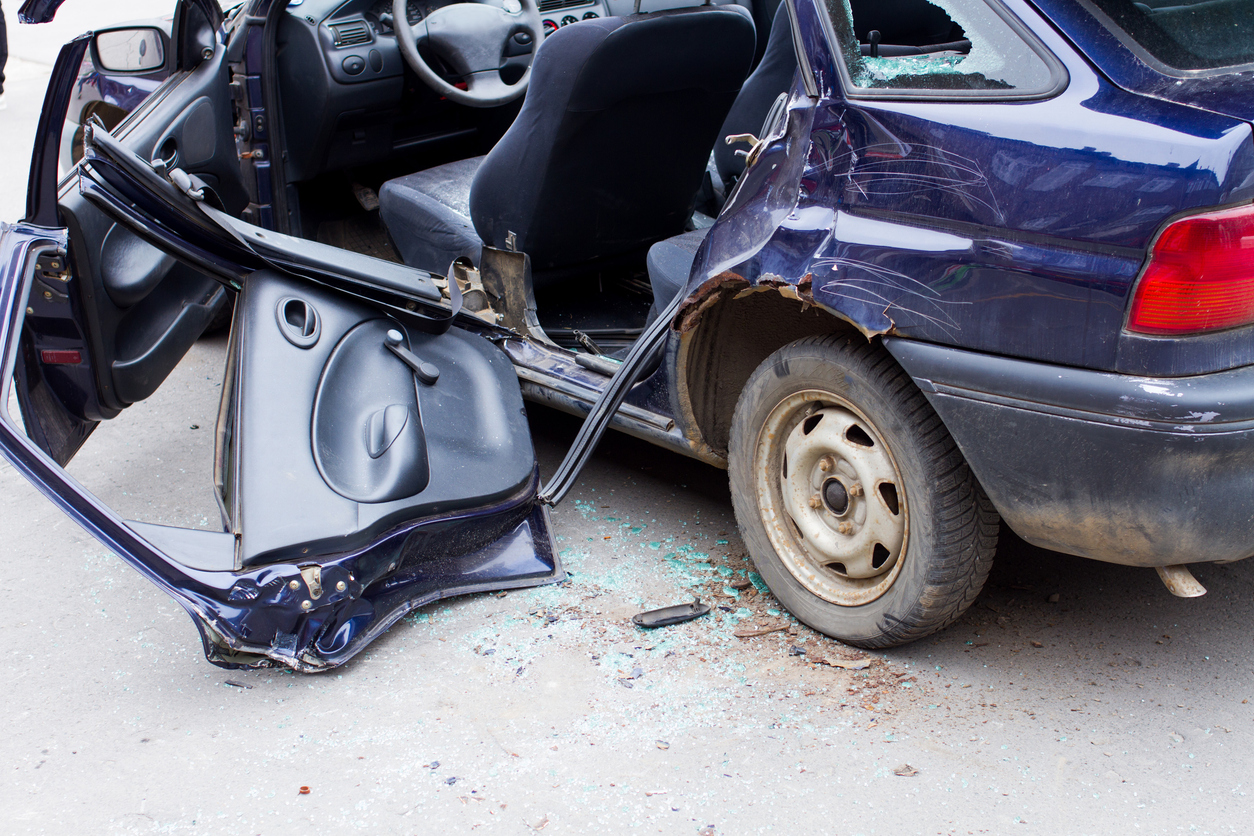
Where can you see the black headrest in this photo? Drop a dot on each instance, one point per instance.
(609, 149)
(645, 55)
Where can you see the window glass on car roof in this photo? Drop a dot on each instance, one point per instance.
(1185, 34)
(946, 45)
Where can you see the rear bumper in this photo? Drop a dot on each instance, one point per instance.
(1134, 470)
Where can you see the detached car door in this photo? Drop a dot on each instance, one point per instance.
(370, 456)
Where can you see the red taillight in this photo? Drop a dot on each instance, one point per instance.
(1200, 276)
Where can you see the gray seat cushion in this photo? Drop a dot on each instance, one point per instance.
(669, 263)
(428, 215)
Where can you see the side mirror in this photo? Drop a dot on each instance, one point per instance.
(138, 49)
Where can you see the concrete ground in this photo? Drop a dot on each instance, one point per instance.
(546, 709)
(1075, 697)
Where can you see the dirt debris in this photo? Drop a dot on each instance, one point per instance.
(748, 641)
(750, 632)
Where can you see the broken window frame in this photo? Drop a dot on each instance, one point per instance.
(1057, 82)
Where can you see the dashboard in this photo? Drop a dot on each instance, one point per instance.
(360, 41)
(344, 80)
(380, 14)
(556, 13)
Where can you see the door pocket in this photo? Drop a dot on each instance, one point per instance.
(130, 268)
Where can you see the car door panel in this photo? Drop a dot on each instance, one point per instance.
(372, 450)
(304, 576)
(328, 538)
(51, 396)
(59, 401)
(191, 141)
(140, 310)
(335, 440)
(161, 306)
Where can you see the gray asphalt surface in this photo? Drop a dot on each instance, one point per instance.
(546, 710)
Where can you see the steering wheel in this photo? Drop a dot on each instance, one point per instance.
(471, 38)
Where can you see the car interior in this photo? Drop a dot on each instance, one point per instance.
(606, 174)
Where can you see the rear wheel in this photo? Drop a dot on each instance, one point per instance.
(854, 501)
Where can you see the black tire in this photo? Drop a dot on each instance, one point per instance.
(850, 398)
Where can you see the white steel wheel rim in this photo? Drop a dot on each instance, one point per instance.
(831, 498)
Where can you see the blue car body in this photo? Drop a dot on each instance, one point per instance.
(991, 242)
(1005, 298)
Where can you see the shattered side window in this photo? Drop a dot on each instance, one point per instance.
(942, 46)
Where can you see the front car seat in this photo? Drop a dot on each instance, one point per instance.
(605, 157)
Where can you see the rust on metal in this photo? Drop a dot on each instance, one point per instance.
(705, 297)
(1180, 581)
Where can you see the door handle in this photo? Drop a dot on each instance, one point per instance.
(299, 321)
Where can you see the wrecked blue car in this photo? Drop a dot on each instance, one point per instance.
(907, 269)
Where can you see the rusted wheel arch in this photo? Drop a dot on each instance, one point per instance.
(726, 329)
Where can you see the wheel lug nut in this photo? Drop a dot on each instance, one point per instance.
(826, 463)
(855, 490)
(816, 501)
(844, 528)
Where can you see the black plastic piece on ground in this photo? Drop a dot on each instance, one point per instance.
(667, 616)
